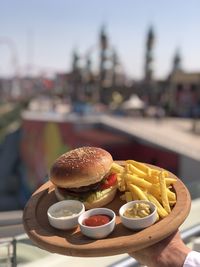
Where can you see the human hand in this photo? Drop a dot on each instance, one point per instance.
(167, 253)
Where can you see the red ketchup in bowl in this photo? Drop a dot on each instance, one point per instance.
(97, 220)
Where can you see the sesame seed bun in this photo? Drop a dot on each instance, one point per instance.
(81, 167)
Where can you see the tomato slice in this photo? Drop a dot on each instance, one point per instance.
(110, 181)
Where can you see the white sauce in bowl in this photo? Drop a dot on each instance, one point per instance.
(63, 213)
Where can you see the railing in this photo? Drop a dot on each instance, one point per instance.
(10, 244)
(11, 258)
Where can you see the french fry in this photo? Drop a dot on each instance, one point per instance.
(154, 172)
(163, 190)
(143, 171)
(161, 211)
(128, 196)
(127, 169)
(135, 170)
(152, 179)
(136, 190)
(134, 196)
(172, 202)
(121, 182)
(138, 181)
(155, 191)
(116, 167)
(170, 181)
(171, 195)
(165, 173)
(141, 166)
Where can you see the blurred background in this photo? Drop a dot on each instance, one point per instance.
(122, 75)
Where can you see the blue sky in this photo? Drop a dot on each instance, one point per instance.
(45, 32)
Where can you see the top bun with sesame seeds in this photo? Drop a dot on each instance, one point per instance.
(84, 174)
(81, 167)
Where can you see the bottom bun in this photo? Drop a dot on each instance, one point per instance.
(97, 203)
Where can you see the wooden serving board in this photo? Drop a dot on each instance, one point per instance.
(121, 240)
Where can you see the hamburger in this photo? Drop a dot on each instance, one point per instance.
(85, 174)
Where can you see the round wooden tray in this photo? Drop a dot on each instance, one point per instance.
(122, 240)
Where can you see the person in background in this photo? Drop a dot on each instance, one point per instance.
(170, 252)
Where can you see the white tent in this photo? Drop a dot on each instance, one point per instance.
(134, 102)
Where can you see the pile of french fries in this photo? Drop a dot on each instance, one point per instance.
(139, 181)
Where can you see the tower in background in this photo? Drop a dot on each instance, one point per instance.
(103, 56)
(148, 68)
(177, 61)
(76, 78)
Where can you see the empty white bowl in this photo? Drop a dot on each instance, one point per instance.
(64, 214)
(97, 232)
(138, 223)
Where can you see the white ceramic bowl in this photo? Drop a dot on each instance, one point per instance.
(138, 223)
(57, 214)
(97, 232)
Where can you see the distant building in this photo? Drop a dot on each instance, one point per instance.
(184, 93)
(107, 84)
